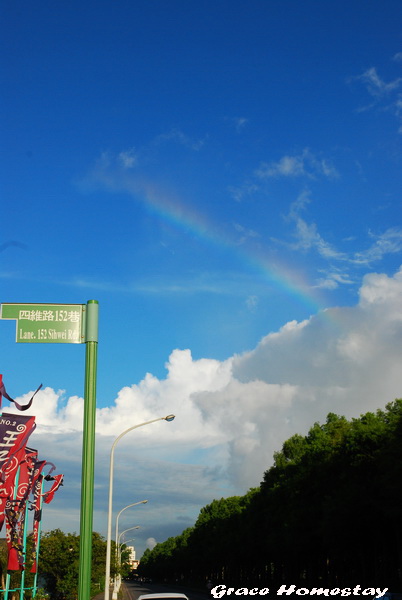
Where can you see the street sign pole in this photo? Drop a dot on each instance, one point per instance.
(88, 451)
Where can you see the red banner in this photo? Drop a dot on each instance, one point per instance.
(14, 433)
(20, 475)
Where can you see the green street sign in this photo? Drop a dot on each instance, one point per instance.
(47, 323)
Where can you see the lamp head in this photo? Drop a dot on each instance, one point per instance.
(170, 417)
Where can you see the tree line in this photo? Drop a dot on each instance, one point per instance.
(328, 512)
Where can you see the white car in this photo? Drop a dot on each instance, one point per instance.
(163, 596)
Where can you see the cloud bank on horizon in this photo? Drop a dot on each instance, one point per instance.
(238, 412)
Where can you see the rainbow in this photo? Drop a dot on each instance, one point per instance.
(171, 210)
(188, 219)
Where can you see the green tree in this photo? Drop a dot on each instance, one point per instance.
(59, 563)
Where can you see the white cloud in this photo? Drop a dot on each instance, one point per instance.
(151, 543)
(245, 233)
(183, 139)
(388, 242)
(333, 279)
(252, 302)
(377, 86)
(287, 166)
(308, 238)
(386, 95)
(379, 289)
(240, 193)
(307, 235)
(305, 164)
(128, 158)
(53, 413)
(238, 123)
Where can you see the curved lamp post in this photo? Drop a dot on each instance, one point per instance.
(126, 542)
(125, 531)
(117, 581)
(122, 510)
(109, 519)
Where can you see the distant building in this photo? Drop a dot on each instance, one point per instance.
(132, 561)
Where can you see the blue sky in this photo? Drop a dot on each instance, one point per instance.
(225, 179)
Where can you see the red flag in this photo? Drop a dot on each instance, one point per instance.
(57, 482)
(14, 433)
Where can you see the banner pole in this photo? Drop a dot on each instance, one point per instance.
(88, 451)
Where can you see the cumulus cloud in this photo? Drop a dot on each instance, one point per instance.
(151, 543)
(232, 415)
(342, 359)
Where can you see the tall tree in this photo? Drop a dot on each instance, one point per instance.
(59, 563)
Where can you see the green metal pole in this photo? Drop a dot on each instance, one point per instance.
(88, 451)
(24, 550)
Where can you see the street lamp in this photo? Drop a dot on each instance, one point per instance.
(109, 518)
(126, 542)
(122, 510)
(125, 531)
(117, 580)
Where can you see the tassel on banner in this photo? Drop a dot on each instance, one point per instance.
(3, 392)
(58, 482)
